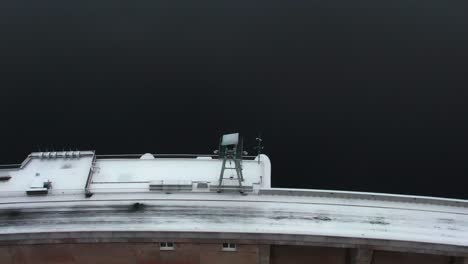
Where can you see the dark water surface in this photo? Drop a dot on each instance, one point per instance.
(350, 95)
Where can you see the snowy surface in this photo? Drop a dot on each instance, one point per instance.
(242, 214)
(66, 175)
(137, 174)
(69, 174)
(119, 183)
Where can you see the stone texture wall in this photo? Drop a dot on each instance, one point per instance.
(310, 255)
(190, 253)
(104, 253)
(385, 257)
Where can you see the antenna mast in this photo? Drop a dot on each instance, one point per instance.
(259, 147)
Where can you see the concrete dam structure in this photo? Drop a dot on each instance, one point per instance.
(79, 207)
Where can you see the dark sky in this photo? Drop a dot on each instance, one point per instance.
(349, 95)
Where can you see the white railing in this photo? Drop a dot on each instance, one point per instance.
(366, 196)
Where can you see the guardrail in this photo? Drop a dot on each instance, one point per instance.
(88, 193)
(104, 156)
(10, 166)
(51, 192)
(366, 196)
(136, 156)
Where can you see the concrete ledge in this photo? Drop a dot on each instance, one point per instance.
(240, 238)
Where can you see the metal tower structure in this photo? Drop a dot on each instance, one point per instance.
(230, 151)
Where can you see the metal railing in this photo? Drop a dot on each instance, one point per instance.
(88, 193)
(400, 198)
(10, 166)
(136, 156)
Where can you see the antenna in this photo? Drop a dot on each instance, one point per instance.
(259, 147)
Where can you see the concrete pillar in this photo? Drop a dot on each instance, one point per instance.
(459, 260)
(361, 256)
(264, 254)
